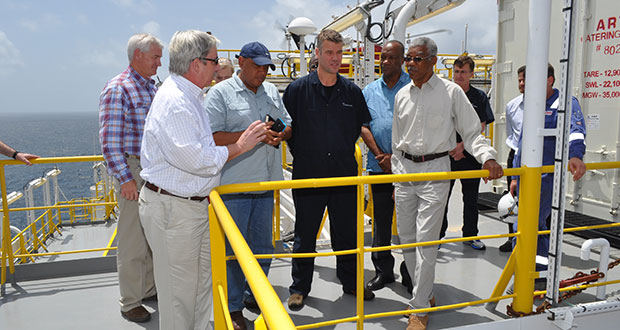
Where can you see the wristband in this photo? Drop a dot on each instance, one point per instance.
(15, 154)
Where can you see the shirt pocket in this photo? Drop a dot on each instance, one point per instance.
(239, 116)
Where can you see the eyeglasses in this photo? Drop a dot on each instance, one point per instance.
(417, 59)
(214, 60)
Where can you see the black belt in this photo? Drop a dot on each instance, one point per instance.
(162, 191)
(424, 158)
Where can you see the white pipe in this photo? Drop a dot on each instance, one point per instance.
(536, 82)
(401, 21)
(303, 65)
(602, 263)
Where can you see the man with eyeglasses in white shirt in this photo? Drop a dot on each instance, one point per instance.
(180, 165)
(428, 113)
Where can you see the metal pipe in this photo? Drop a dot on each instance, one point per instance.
(531, 151)
(401, 21)
(603, 262)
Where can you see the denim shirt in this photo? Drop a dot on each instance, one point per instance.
(232, 107)
(380, 100)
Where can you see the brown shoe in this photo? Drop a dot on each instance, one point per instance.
(295, 301)
(238, 320)
(417, 322)
(138, 314)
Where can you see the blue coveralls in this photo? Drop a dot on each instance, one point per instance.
(577, 148)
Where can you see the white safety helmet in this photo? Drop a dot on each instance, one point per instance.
(507, 208)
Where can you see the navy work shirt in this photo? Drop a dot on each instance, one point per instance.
(325, 129)
(480, 101)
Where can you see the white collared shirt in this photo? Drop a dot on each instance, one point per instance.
(514, 121)
(178, 152)
(426, 121)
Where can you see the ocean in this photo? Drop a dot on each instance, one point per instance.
(50, 135)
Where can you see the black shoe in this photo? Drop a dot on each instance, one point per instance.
(405, 278)
(368, 295)
(250, 303)
(379, 281)
(506, 247)
(238, 321)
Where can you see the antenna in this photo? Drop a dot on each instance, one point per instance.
(302, 26)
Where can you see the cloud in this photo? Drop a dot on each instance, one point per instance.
(29, 25)
(10, 57)
(106, 54)
(42, 23)
(138, 6)
(266, 22)
(151, 27)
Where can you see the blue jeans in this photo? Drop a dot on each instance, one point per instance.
(253, 215)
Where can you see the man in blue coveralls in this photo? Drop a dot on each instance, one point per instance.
(577, 149)
(377, 135)
(232, 105)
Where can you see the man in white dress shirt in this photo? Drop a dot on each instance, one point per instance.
(427, 114)
(180, 165)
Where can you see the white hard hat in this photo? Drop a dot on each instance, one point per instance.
(507, 208)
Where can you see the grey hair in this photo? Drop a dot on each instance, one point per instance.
(185, 46)
(225, 62)
(143, 42)
(430, 45)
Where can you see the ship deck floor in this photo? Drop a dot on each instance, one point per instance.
(462, 274)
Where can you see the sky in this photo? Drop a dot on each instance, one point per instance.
(56, 56)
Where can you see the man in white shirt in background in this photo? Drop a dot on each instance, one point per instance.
(514, 121)
(428, 113)
(180, 165)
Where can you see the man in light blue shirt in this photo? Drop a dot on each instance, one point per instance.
(232, 105)
(377, 135)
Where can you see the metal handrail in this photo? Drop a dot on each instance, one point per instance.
(265, 294)
(8, 256)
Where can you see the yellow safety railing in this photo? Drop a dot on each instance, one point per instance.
(521, 262)
(33, 237)
(222, 226)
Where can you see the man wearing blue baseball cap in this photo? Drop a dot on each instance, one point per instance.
(232, 106)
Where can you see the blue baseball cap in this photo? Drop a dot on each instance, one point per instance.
(258, 53)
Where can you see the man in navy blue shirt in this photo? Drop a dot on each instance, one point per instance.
(461, 160)
(327, 113)
(377, 135)
(577, 149)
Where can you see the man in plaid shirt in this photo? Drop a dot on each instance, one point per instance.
(123, 105)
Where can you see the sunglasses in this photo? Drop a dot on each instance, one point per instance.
(417, 59)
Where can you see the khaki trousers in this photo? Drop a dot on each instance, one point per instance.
(420, 208)
(134, 260)
(178, 233)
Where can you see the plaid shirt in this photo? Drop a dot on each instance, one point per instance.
(123, 105)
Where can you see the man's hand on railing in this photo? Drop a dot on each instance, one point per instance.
(577, 167)
(24, 157)
(495, 170)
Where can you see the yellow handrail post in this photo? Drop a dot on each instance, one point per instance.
(359, 287)
(276, 217)
(529, 204)
(218, 267)
(259, 323)
(7, 250)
